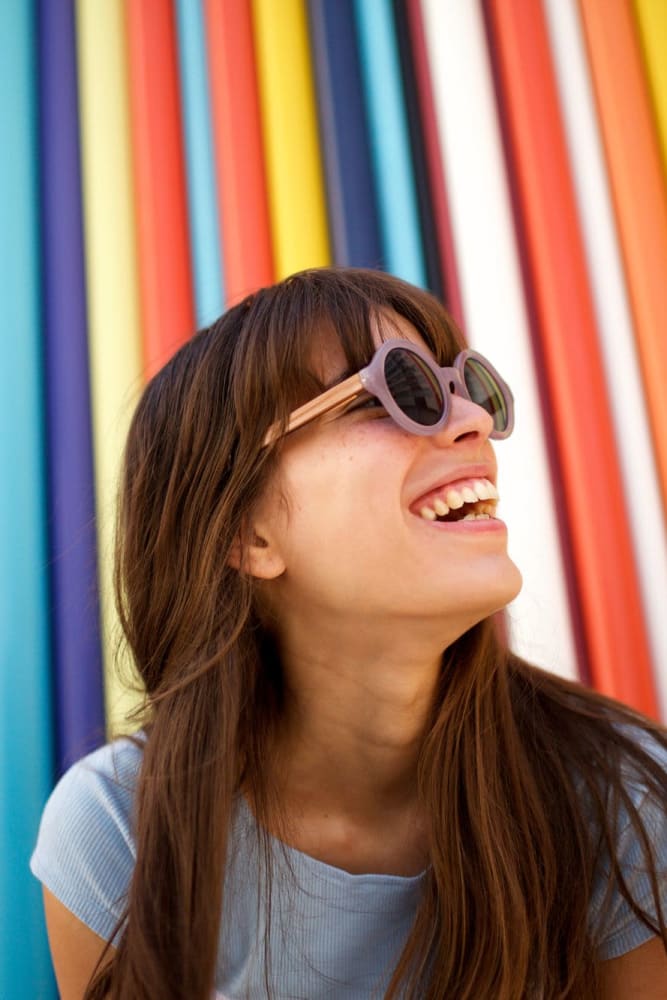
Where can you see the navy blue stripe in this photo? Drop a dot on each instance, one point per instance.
(351, 196)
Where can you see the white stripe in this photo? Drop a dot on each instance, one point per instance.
(496, 320)
(623, 377)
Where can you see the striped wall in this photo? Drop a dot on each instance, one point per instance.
(169, 157)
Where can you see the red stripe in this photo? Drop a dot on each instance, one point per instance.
(434, 162)
(567, 341)
(244, 213)
(167, 309)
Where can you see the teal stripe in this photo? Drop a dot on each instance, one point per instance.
(202, 194)
(26, 743)
(390, 140)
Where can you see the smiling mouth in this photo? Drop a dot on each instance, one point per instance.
(474, 500)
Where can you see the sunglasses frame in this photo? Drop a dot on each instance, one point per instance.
(372, 380)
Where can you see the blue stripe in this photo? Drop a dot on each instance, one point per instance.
(390, 143)
(26, 757)
(202, 193)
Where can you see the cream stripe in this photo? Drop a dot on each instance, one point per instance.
(496, 321)
(111, 272)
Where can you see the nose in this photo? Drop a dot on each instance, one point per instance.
(466, 421)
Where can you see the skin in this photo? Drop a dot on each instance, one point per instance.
(75, 949)
(364, 597)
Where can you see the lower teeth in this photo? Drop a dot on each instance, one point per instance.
(476, 517)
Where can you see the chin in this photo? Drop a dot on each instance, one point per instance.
(501, 587)
(514, 583)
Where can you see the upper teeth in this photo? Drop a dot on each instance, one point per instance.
(453, 499)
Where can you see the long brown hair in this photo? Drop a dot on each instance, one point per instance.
(520, 775)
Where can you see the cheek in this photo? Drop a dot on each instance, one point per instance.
(343, 505)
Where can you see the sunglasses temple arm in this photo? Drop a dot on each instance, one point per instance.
(333, 398)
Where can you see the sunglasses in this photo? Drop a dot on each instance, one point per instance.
(414, 391)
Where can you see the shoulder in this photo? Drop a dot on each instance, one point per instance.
(638, 852)
(85, 850)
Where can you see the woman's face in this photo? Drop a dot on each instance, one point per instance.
(344, 513)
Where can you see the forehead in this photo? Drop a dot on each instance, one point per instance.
(328, 357)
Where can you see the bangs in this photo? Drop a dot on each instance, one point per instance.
(286, 324)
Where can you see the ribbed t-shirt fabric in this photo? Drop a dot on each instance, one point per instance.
(328, 934)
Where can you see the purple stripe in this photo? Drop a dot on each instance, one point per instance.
(77, 657)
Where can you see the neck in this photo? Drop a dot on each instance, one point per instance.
(356, 720)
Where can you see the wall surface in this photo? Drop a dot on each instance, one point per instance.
(161, 160)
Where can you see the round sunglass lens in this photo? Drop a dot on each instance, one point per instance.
(486, 392)
(413, 387)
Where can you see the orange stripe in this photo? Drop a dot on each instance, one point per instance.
(566, 335)
(640, 202)
(159, 178)
(242, 197)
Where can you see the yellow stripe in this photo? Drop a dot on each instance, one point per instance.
(291, 141)
(652, 20)
(112, 288)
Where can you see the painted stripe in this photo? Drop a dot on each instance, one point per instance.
(640, 200)
(346, 150)
(390, 142)
(631, 426)
(497, 324)
(242, 196)
(111, 282)
(202, 194)
(167, 308)
(77, 655)
(567, 334)
(289, 122)
(26, 769)
(436, 171)
(651, 17)
(427, 227)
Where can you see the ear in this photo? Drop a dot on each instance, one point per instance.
(256, 556)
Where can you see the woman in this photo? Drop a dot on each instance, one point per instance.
(345, 785)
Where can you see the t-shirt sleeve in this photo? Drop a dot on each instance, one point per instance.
(615, 928)
(85, 850)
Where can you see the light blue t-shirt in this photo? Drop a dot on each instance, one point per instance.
(330, 934)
